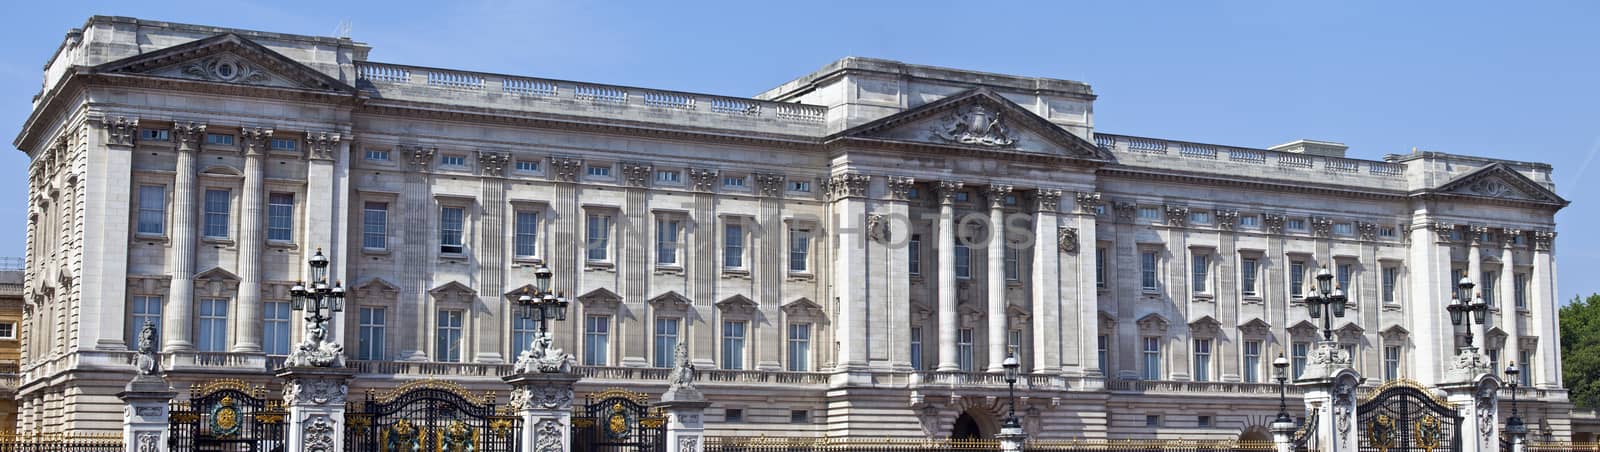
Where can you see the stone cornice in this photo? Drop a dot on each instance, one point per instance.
(1211, 180)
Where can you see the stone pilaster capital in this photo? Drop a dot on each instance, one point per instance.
(1274, 222)
(1177, 215)
(121, 131)
(1226, 219)
(565, 168)
(702, 179)
(254, 140)
(1321, 226)
(418, 157)
(186, 136)
(847, 185)
(1047, 200)
(1442, 231)
(321, 145)
(997, 195)
(768, 184)
(1542, 239)
(493, 163)
(1088, 202)
(947, 191)
(1508, 237)
(636, 174)
(1125, 210)
(1476, 232)
(900, 187)
(1368, 231)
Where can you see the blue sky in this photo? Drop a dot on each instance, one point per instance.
(1505, 80)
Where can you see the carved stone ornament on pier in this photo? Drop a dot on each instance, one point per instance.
(636, 174)
(768, 184)
(316, 350)
(1048, 201)
(149, 359)
(847, 185)
(419, 157)
(1067, 240)
(255, 140)
(878, 228)
(122, 131)
(1125, 211)
(321, 145)
(493, 163)
(565, 168)
(1321, 226)
(1226, 219)
(314, 391)
(1368, 231)
(1177, 216)
(975, 125)
(680, 383)
(319, 434)
(1274, 222)
(1466, 366)
(543, 357)
(1089, 202)
(701, 179)
(900, 187)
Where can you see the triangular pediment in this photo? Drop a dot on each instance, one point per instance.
(1256, 327)
(670, 300)
(225, 58)
(802, 307)
(977, 119)
(378, 286)
(216, 274)
(737, 304)
(453, 291)
(1303, 329)
(1499, 182)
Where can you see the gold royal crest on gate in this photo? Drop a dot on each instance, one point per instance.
(1380, 432)
(225, 418)
(1428, 432)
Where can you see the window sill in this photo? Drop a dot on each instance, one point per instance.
(599, 265)
(282, 244)
(801, 276)
(1150, 292)
(1205, 297)
(736, 273)
(150, 237)
(1252, 299)
(452, 257)
(1391, 307)
(668, 270)
(1013, 283)
(223, 241)
(376, 251)
(526, 260)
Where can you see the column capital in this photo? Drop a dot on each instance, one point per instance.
(418, 157)
(1542, 239)
(1226, 218)
(1125, 210)
(122, 131)
(1321, 226)
(320, 145)
(997, 194)
(1047, 200)
(1088, 201)
(947, 191)
(847, 185)
(254, 140)
(493, 163)
(1508, 237)
(768, 184)
(1177, 216)
(187, 135)
(1274, 222)
(1477, 232)
(900, 187)
(565, 168)
(1368, 231)
(702, 179)
(636, 174)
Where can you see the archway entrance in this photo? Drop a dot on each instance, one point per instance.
(966, 428)
(1255, 433)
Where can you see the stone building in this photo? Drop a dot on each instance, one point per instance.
(826, 249)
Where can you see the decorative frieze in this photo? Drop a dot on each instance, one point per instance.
(186, 136)
(1177, 216)
(947, 191)
(847, 185)
(1047, 200)
(418, 157)
(122, 131)
(1067, 240)
(900, 187)
(254, 140)
(1274, 222)
(321, 145)
(565, 168)
(768, 184)
(1321, 226)
(702, 180)
(1226, 219)
(997, 194)
(636, 174)
(1089, 202)
(493, 163)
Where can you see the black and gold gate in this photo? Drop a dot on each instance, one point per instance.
(1403, 416)
(227, 415)
(431, 416)
(617, 420)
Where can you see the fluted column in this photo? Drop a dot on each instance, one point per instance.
(177, 312)
(997, 276)
(248, 322)
(417, 255)
(948, 321)
(1507, 299)
(1546, 367)
(491, 254)
(1475, 273)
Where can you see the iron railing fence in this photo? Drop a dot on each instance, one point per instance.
(1560, 447)
(788, 444)
(61, 443)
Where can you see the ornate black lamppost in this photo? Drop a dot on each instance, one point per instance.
(542, 305)
(1476, 309)
(320, 302)
(1011, 365)
(1514, 424)
(1281, 366)
(1326, 302)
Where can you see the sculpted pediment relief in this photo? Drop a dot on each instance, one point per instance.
(978, 119)
(1499, 182)
(225, 58)
(453, 292)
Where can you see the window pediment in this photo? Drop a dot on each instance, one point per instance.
(1256, 328)
(598, 301)
(453, 292)
(377, 289)
(803, 308)
(1303, 330)
(1394, 334)
(738, 305)
(671, 301)
(1350, 332)
(1205, 326)
(1152, 325)
(216, 282)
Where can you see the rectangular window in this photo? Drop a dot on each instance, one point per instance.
(280, 217)
(218, 205)
(1386, 231)
(599, 237)
(374, 323)
(1391, 279)
(453, 160)
(1202, 421)
(733, 245)
(1202, 360)
(1297, 279)
(1494, 358)
(154, 134)
(152, 209)
(1342, 274)
(448, 337)
(1519, 290)
(1014, 344)
(1455, 277)
(799, 347)
(916, 348)
(962, 196)
(1344, 229)
(599, 171)
(1100, 267)
(1150, 213)
(452, 222)
(666, 341)
(1250, 221)
(1200, 217)
(377, 154)
(1147, 271)
(963, 258)
(1152, 358)
(1526, 358)
(733, 334)
(733, 415)
(1295, 224)
(284, 144)
(1202, 272)
(799, 416)
(1013, 262)
(1491, 281)
(275, 327)
(964, 349)
(1103, 353)
(1247, 276)
(8, 330)
(219, 139)
(914, 255)
(375, 225)
(145, 310)
(212, 334)
(667, 241)
(523, 331)
(1252, 361)
(1152, 420)
(1391, 362)
(799, 250)
(800, 186)
(527, 240)
(1298, 352)
(669, 177)
(596, 340)
(733, 181)
(531, 166)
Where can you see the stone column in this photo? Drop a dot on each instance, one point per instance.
(850, 282)
(248, 322)
(1509, 312)
(491, 253)
(1477, 401)
(316, 400)
(948, 320)
(1333, 398)
(1283, 436)
(1547, 357)
(544, 399)
(416, 211)
(144, 419)
(997, 276)
(1475, 273)
(176, 315)
(1050, 241)
(326, 199)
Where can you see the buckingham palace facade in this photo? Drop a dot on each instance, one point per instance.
(853, 252)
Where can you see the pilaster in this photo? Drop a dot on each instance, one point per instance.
(848, 194)
(416, 248)
(491, 257)
(1547, 360)
(1054, 244)
(103, 282)
(770, 272)
(633, 255)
